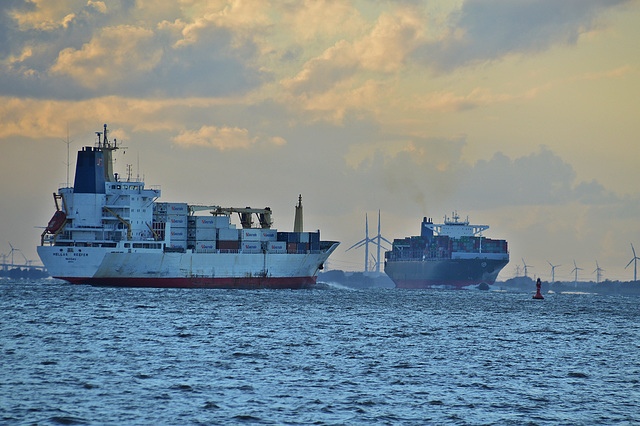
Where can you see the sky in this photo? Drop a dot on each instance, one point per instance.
(518, 114)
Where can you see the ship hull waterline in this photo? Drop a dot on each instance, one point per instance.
(444, 274)
(245, 283)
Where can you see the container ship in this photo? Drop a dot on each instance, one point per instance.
(108, 231)
(450, 255)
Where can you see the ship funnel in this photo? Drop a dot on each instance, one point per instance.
(90, 172)
(427, 231)
(297, 222)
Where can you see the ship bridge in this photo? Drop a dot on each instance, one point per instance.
(456, 228)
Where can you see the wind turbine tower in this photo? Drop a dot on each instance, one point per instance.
(526, 267)
(598, 271)
(364, 243)
(635, 264)
(12, 250)
(553, 271)
(378, 239)
(575, 269)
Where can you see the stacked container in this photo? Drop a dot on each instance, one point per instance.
(228, 238)
(176, 221)
(202, 233)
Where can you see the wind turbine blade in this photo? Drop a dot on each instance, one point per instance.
(632, 249)
(359, 242)
(366, 225)
(629, 263)
(386, 241)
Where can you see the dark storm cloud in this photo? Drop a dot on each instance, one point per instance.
(486, 30)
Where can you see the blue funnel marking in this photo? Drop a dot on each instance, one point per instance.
(89, 172)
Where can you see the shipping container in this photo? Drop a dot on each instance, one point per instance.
(228, 245)
(177, 208)
(277, 246)
(160, 208)
(269, 235)
(304, 237)
(289, 237)
(177, 244)
(206, 245)
(206, 234)
(211, 221)
(227, 234)
(177, 221)
(251, 246)
(250, 234)
(178, 234)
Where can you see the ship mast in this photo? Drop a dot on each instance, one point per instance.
(297, 222)
(107, 148)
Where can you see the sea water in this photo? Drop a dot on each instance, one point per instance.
(87, 355)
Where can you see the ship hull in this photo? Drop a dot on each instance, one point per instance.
(444, 273)
(154, 268)
(198, 282)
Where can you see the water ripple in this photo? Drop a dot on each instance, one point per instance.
(84, 355)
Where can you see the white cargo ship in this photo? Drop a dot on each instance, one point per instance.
(108, 231)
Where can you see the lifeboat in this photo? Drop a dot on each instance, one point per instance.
(58, 219)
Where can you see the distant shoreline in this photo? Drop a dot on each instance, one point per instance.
(518, 284)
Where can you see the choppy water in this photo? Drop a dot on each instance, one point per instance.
(78, 354)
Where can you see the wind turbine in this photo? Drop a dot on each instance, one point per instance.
(12, 250)
(553, 271)
(364, 243)
(526, 267)
(576, 269)
(598, 271)
(377, 240)
(4, 261)
(635, 264)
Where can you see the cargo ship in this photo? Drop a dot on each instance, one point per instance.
(109, 231)
(451, 255)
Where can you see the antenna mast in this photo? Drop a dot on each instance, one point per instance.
(68, 163)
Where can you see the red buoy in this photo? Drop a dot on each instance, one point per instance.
(538, 286)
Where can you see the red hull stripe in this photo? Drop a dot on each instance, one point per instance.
(439, 284)
(222, 283)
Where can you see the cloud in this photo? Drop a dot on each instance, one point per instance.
(311, 19)
(391, 40)
(331, 82)
(539, 179)
(245, 19)
(125, 49)
(487, 30)
(100, 6)
(431, 171)
(448, 101)
(42, 15)
(223, 138)
(111, 56)
(383, 49)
